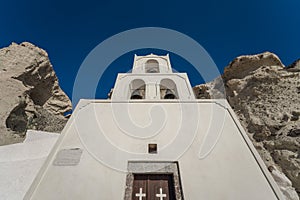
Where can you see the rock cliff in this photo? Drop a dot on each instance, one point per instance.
(30, 94)
(265, 95)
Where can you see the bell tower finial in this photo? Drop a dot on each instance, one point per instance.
(152, 64)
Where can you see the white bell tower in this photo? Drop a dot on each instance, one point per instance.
(152, 79)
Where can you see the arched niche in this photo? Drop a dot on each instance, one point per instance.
(168, 89)
(137, 89)
(152, 66)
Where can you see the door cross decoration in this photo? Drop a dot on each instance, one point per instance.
(140, 195)
(161, 195)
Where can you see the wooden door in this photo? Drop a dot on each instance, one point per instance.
(153, 187)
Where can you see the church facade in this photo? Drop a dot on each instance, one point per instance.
(153, 141)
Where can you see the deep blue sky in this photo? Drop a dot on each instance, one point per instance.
(69, 30)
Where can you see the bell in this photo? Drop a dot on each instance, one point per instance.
(169, 95)
(136, 95)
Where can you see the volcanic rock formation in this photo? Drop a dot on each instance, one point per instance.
(265, 95)
(30, 94)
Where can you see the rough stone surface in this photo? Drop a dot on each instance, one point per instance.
(30, 94)
(284, 183)
(265, 95)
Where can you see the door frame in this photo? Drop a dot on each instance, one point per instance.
(153, 167)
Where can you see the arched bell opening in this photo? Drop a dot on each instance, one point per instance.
(168, 89)
(137, 89)
(136, 95)
(152, 66)
(169, 94)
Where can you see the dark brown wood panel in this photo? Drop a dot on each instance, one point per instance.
(153, 187)
(139, 190)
